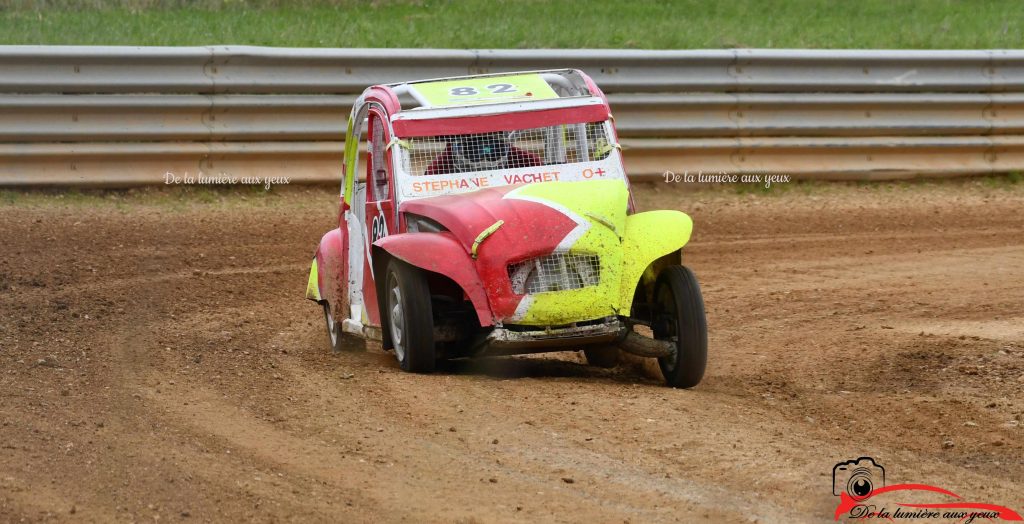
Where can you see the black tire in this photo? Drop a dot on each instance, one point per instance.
(337, 339)
(602, 356)
(409, 316)
(679, 316)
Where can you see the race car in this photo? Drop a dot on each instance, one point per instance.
(491, 215)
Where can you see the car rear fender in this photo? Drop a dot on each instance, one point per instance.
(651, 240)
(439, 253)
(327, 273)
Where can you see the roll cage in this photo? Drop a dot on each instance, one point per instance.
(419, 108)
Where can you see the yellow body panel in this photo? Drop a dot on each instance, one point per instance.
(626, 245)
(599, 208)
(313, 284)
(648, 237)
(486, 90)
(351, 157)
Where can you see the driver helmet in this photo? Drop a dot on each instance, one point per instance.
(481, 152)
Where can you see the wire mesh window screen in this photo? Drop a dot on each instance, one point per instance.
(555, 272)
(539, 146)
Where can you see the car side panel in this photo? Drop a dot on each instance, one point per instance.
(379, 223)
(331, 272)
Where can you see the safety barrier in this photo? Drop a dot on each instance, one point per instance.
(127, 115)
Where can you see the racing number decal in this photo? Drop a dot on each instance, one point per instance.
(502, 88)
(378, 229)
(467, 91)
(493, 88)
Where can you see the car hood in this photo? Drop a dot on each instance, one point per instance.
(537, 218)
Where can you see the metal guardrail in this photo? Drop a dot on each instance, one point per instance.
(127, 115)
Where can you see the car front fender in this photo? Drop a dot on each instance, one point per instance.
(439, 253)
(648, 237)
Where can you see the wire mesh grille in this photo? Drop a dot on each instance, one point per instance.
(539, 146)
(556, 272)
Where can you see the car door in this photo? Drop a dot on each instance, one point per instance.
(379, 211)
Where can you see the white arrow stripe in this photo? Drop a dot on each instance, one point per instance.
(582, 224)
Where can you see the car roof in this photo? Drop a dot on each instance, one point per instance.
(498, 88)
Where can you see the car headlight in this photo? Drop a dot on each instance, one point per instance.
(422, 224)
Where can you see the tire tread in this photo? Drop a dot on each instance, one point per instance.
(420, 354)
(692, 325)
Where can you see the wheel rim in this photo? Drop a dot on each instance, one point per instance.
(396, 317)
(666, 325)
(332, 326)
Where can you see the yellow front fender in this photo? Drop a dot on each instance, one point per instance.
(648, 237)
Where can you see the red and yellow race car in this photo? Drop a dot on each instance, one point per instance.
(495, 218)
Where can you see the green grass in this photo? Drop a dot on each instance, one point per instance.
(642, 24)
(1007, 181)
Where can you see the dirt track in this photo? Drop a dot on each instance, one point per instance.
(157, 359)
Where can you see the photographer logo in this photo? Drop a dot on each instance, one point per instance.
(858, 482)
(858, 478)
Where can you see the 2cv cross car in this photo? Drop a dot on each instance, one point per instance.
(495, 218)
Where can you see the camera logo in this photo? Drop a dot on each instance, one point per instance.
(857, 478)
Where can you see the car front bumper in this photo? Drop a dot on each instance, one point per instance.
(512, 340)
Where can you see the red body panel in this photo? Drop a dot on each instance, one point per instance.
(380, 210)
(332, 261)
(530, 230)
(443, 254)
(380, 224)
(385, 96)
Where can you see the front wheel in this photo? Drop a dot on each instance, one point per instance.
(409, 314)
(679, 317)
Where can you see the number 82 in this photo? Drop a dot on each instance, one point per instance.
(493, 88)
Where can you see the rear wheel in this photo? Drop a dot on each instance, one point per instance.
(410, 318)
(338, 339)
(679, 317)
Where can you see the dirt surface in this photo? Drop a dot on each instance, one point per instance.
(158, 361)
